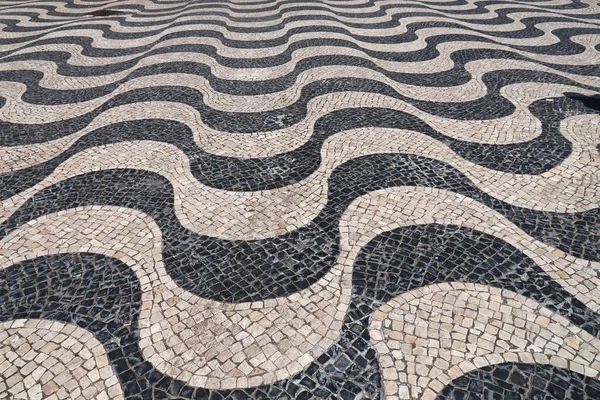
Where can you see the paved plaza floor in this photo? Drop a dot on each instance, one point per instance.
(300, 199)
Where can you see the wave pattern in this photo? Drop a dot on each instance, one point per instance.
(247, 199)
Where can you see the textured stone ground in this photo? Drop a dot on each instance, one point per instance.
(277, 199)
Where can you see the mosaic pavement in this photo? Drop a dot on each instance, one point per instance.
(278, 199)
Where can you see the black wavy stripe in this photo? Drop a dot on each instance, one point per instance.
(102, 295)
(490, 105)
(338, 9)
(197, 12)
(65, 288)
(238, 271)
(228, 173)
(182, 9)
(565, 46)
(455, 76)
(267, 5)
(408, 258)
(522, 381)
(500, 17)
(360, 19)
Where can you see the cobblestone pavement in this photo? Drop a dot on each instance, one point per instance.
(300, 199)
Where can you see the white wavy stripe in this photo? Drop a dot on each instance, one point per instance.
(469, 91)
(205, 11)
(115, 26)
(397, 207)
(244, 4)
(134, 238)
(440, 63)
(258, 11)
(521, 126)
(100, 42)
(471, 327)
(182, 334)
(157, 7)
(89, 7)
(572, 186)
(61, 7)
(491, 11)
(63, 353)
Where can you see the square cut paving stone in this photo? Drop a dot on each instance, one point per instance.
(316, 199)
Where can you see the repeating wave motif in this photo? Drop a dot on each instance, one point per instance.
(108, 238)
(267, 213)
(299, 199)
